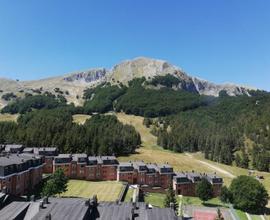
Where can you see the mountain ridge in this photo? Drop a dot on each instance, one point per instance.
(76, 82)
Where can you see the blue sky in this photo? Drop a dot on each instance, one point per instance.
(218, 40)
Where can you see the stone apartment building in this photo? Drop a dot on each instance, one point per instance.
(185, 183)
(19, 172)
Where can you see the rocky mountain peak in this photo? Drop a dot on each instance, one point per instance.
(90, 76)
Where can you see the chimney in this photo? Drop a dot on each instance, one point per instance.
(48, 216)
(4, 190)
(87, 202)
(132, 214)
(41, 205)
(171, 205)
(32, 198)
(46, 200)
(93, 202)
(146, 206)
(134, 205)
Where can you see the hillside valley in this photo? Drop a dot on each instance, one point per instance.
(226, 124)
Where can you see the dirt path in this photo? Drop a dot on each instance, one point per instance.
(220, 170)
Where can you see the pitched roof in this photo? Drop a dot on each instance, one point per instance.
(13, 210)
(111, 210)
(63, 208)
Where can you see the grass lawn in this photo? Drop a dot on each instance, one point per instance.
(241, 215)
(8, 117)
(155, 199)
(215, 202)
(129, 195)
(105, 190)
(255, 217)
(80, 118)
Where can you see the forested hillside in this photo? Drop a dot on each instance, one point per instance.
(184, 121)
(103, 135)
(219, 130)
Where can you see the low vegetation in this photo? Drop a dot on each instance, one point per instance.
(8, 96)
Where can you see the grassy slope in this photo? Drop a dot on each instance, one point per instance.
(150, 152)
(80, 118)
(105, 191)
(8, 117)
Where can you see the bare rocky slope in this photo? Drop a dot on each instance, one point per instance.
(73, 84)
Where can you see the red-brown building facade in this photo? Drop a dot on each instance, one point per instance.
(185, 183)
(20, 173)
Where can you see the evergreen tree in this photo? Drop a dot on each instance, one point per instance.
(204, 190)
(57, 184)
(170, 198)
(237, 160)
(225, 195)
(245, 160)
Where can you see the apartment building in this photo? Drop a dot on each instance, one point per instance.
(216, 182)
(63, 161)
(48, 154)
(145, 174)
(19, 172)
(79, 166)
(185, 183)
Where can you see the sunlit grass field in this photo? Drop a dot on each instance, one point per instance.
(8, 117)
(105, 190)
(80, 118)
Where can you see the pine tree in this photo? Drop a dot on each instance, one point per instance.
(170, 198)
(57, 184)
(204, 190)
(245, 160)
(237, 160)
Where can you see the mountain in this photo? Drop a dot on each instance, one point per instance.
(73, 84)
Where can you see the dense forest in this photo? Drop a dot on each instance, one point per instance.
(30, 102)
(100, 135)
(220, 127)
